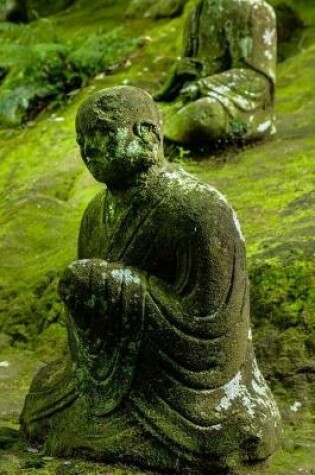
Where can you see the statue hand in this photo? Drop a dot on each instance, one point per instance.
(190, 92)
(186, 69)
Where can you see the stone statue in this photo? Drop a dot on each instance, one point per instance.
(155, 9)
(161, 371)
(223, 86)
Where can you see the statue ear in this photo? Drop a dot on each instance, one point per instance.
(147, 132)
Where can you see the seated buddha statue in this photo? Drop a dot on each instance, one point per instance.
(223, 86)
(160, 370)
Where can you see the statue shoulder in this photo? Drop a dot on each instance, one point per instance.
(191, 196)
(94, 208)
(188, 188)
(200, 207)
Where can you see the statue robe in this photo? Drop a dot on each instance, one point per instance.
(159, 320)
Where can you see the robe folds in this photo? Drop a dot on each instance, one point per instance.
(158, 321)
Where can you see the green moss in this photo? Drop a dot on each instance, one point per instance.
(283, 309)
(44, 190)
(282, 291)
(238, 128)
(33, 311)
(42, 73)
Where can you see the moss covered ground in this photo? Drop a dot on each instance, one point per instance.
(44, 188)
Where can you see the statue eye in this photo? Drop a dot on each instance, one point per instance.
(143, 129)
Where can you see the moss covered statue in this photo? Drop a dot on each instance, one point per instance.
(161, 371)
(223, 86)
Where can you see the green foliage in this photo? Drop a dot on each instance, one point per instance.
(283, 313)
(25, 315)
(101, 52)
(282, 292)
(40, 74)
(8, 437)
(238, 128)
(43, 74)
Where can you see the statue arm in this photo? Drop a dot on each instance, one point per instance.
(202, 271)
(261, 54)
(200, 318)
(207, 247)
(185, 70)
(90, 232)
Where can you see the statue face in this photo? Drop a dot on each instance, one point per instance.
(96, 152)
(119, 153)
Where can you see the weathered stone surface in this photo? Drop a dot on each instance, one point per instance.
(161, 371)
(223, 86)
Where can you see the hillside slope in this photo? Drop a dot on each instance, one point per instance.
(44, 189)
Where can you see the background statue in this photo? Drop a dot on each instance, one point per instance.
(223, 87)
(161, 371)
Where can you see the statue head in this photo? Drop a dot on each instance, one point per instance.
(119, 131)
